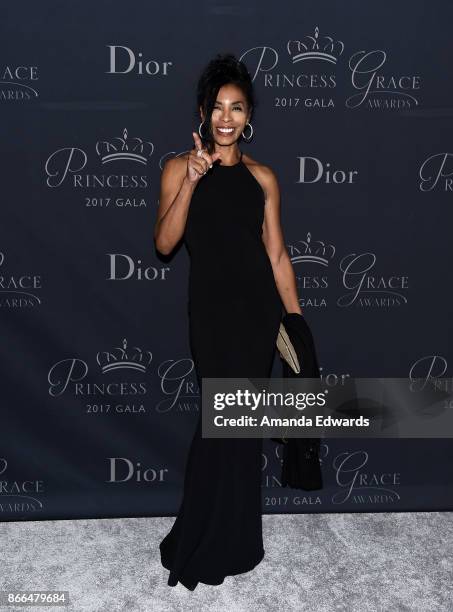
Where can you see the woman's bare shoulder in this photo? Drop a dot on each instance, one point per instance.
(177, 162)
(263, 173)
(175, 168)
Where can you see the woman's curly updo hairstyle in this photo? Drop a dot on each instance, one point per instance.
(223, 69)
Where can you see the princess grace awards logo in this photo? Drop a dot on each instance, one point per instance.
(367, 289)
(311, 253)
(315, 47)
(18, 83)
(122, 147)
(277, 498)
(118, 381)
(19, 497)
(307, 68)
(355, 272)
(428, 369)
(20, 290)
(120, 155)
(436, 173)
(360, 486)
(377, 88)
(356, 483)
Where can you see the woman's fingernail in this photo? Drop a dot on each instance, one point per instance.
(210, 166)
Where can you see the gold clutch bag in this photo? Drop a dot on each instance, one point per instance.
(287, 350)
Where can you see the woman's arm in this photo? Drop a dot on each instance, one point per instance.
(178, 181)
(282, 267)
(175, 196)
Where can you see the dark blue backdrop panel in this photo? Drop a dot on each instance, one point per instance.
(354, 115)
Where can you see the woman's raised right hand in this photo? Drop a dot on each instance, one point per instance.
(198, 165)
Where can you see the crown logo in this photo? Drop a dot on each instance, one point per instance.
(315, 48)
(120, 358)
(134, 149)
(315, 252)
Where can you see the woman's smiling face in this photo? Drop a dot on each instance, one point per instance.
(229, 115)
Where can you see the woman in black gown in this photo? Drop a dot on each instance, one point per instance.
(226, 208)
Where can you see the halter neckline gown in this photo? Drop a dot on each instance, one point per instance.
(234, 317)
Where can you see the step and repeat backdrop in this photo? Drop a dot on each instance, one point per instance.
(354, 114)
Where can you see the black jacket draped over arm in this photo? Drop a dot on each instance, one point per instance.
(301, 467)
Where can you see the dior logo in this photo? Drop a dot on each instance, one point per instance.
(124, 470)
(312, 170)
(128, 268)
(123, 60)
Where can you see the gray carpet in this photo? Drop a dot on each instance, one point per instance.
(314, 562)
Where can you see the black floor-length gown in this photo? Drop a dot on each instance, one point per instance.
(234, 316)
